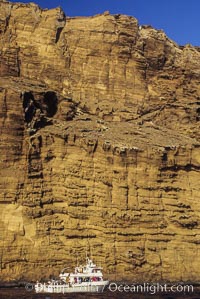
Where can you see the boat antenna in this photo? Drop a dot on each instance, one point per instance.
(89, 248)
(88, 251)
(77, 260)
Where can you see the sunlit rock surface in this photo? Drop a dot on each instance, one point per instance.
(99, 147)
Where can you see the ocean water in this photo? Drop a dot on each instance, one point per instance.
(20, 293)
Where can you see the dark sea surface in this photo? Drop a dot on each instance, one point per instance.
(21, 293)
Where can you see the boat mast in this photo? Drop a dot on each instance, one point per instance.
(86, 257)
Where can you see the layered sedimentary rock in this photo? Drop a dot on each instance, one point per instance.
(99, 147)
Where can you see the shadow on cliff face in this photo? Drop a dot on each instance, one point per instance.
(38, 111)
(29, 106)
(41, 108)
(50, 103)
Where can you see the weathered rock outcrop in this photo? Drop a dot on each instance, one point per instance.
(99, 146)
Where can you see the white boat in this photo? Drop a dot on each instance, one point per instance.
(88, 278)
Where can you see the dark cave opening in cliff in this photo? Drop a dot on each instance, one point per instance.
(28, 105)
(51, 102)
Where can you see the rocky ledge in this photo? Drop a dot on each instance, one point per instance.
(100, 147)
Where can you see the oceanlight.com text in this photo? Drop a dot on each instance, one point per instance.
(150, 288)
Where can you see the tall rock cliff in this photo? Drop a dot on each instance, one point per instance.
(100, 147)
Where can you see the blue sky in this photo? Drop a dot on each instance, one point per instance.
(180, 19)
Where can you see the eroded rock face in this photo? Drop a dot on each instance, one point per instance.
(99, 147)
